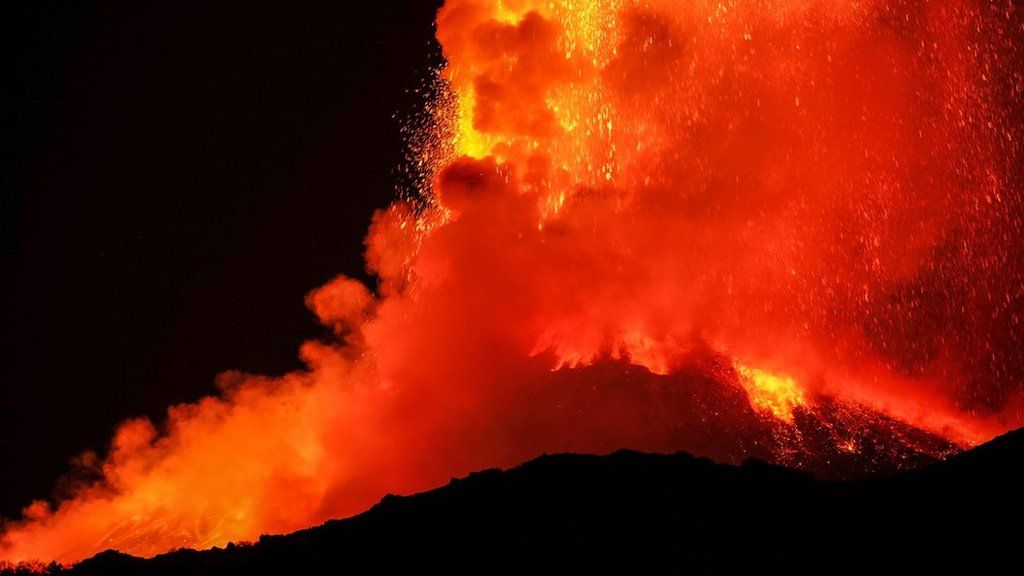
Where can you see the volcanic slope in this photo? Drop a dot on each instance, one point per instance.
(656, 513)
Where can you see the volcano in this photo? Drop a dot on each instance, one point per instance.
(783, 230)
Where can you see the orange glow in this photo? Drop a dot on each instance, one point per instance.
(622, 200)
(776, 395)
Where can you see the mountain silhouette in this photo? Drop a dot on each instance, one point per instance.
(631, 512)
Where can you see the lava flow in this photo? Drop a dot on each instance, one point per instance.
(787, 229)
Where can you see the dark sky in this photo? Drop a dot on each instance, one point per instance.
(175, 177)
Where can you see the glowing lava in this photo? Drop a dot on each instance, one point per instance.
(776, 395)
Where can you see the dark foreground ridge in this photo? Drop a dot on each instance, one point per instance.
(634, 512)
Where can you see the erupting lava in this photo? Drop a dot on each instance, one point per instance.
(787, 229)
(777, 395)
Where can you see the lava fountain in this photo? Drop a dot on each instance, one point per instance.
(787, 229)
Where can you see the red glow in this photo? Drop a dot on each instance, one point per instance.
(788, 229)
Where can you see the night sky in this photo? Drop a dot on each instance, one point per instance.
(175, 177)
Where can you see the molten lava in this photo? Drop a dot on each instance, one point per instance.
(776, 395)
(787, 229)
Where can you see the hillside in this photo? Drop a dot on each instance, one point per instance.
(659, 513)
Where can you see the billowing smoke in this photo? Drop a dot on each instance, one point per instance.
(778, 228)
